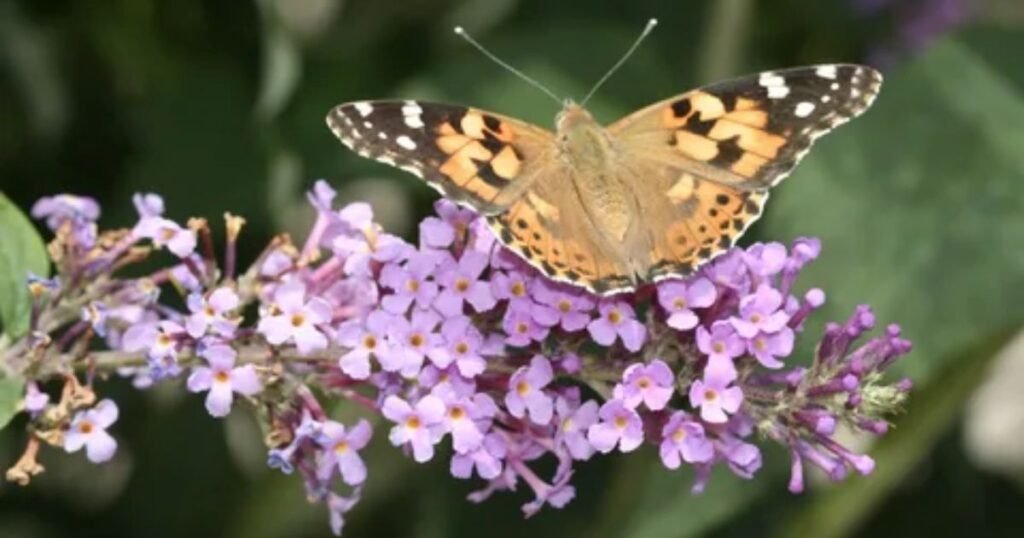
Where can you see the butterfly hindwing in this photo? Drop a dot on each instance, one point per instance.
(751, 131)
(477, 158)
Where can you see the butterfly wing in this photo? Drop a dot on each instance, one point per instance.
(702, 162)
(752, 131)
(479, 159)
(501, 167)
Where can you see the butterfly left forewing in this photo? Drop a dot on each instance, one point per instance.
(752, 131)
(477, 158)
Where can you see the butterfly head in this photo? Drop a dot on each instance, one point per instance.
(579, 133)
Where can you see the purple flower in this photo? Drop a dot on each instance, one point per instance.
(573, 424)
(461, 420)
(765, 259)
(354, 237)
(410, 283)
(164, 232)
(462, 284)
(338, 506)
(513, 286)
(521, 327)
(767, 347)
(619, 425)
(486, 459)
(651, 384)
(419, 427)
(161, 342)
(560, 306)
(679, 298)
(446, 383)
(721, 345)
(341, 450)
(436, 233)
(222, 378)
(35, 400)
(65, 207)
(760, 312)
(744, 459)
(212, 312)
(148, 204)
(463, 346)
(291, 317)
(526, 394)
(89, 429)
(617, 320)
(409, 341)
(364, 339)
(321, 196)
(683, 440)
(715, 397)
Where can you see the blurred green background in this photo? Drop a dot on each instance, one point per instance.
(219, 105)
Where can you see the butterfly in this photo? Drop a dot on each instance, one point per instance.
(607, 208)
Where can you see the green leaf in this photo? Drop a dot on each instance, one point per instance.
(11, 390)
(930, 413)
(21, 251)
(918, 205)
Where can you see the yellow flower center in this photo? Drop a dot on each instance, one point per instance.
(370, 341)
(522, 388)
(341, 447)
(461, 285)
(85, 427)
(412, 285)
(462, 348)
(679, 435)
(416, 340)
(614, 316)
(620, 422)
(564, 305)
(518, 289)
(413, 423)
(679, 303)
(457, 413)
(298, 320)
(221, 377)
(643, 383)
(710, 395)
(718, 347)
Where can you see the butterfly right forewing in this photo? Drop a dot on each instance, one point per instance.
(476, 158)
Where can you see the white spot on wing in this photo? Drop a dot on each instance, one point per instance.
(826, 71)
(363, 108)
(368, 125)
(413, 114)
(406, 142)
(777, 92)
(803, 109)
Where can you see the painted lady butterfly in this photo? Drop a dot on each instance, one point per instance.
(652, 196)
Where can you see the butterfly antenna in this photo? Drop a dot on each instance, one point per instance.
(647, 30)
(462, 33)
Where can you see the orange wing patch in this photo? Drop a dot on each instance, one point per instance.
(708, 222)
(481, 157)
(731, 134)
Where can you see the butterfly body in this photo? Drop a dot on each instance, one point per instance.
(651, 196)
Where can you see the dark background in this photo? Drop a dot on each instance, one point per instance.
(219, 105)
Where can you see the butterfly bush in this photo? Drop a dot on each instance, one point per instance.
(454, 348)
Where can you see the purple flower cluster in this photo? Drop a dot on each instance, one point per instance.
(458, 339)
